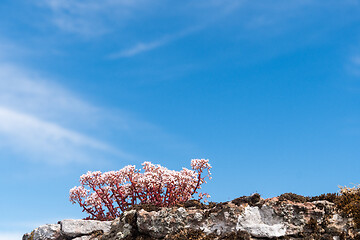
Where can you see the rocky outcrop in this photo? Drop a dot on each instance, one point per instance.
(243, 218)
(70, 229)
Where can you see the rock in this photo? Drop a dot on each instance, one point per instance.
(261, 222)
(246, 218)
(44, 232)
(83, 238)
(123, 227)
(75, 228)
(159, 224)
(219, 220)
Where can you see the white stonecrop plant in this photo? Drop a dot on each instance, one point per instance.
(105, 195)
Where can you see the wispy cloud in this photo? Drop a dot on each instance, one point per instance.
(148, 46)
(94, 18)
(27, 90)
(140, 48)
(38, 137)
(34, 120)
(89, 18)
(223, 8)
(41, 120)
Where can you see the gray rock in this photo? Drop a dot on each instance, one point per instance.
(261, 222)
(267, 219)
(44, 232)
(82, 238)
(159, 224)
(76, 228)
(124, 227)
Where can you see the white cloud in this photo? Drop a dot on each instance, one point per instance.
(32, 93)
(37, 117)
(222, 8)
(28, 91)
(139, 48)
(89, 17)
(94, 18)
(79, 6)
(28, 133)
(144, 47)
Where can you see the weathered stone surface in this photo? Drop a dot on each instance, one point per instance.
(83, 238)
(124, 227)
(261, 222)
(159, 224)
(246, 218)
(44, 232)
(75, 228)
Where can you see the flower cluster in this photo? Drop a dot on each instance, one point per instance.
(105, 195)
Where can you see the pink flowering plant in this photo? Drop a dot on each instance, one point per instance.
(105, 195)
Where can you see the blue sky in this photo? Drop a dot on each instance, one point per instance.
(269, 91)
